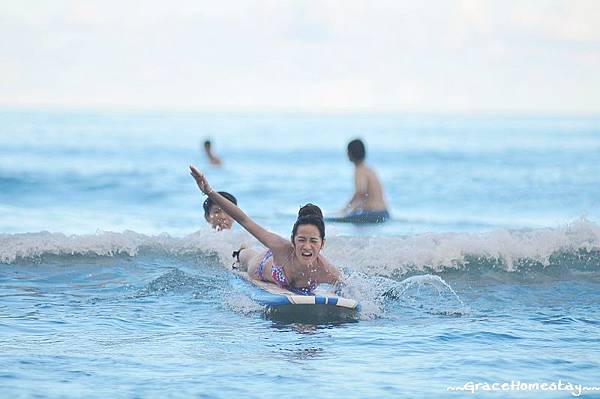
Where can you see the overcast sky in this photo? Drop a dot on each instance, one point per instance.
(320, 55)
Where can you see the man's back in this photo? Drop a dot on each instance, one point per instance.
(368, 185)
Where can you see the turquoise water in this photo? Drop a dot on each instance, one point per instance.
(111, 284)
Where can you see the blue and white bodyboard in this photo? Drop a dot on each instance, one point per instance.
(285, 305)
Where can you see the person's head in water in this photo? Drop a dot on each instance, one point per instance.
(356, 151)
(308, 234)
(207, 145)
(215, 215)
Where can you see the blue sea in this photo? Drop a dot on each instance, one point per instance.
(485, 282)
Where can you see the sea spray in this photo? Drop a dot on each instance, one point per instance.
(377, 294)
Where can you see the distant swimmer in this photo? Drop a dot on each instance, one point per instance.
(215, 215)
(212, 158)
(296, 264)
(367, 204)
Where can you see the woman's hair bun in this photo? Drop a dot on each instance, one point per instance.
(310, 210)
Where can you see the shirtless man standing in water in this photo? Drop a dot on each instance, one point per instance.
(367, 205)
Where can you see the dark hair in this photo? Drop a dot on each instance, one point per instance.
(310, 214)
(356, 150)
(208, 203)
(207, 143)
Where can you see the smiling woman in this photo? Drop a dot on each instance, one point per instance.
(296, 265)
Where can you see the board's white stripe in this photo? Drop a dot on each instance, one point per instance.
(302, 299)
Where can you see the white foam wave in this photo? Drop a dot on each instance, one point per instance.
(32, 246)
(384, 256)
(392, 256)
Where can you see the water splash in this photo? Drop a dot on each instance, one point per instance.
(242, 303)
(414, 292)
(381, 296)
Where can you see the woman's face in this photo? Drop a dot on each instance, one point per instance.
(307, 244)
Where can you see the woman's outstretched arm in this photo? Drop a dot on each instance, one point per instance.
(270, 240)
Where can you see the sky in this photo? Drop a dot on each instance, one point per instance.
(536, 56)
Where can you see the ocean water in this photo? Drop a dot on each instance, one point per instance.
(112, 284)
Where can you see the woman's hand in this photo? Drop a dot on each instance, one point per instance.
(200, 180)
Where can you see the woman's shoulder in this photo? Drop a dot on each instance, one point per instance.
(328, 268)
(282, 253)
(323, 260)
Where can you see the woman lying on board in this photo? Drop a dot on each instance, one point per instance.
(296, 265)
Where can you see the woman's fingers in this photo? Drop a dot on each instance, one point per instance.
(196, 174)
(200, 180)
(194, 171)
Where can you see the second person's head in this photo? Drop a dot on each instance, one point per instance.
(215, 215)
